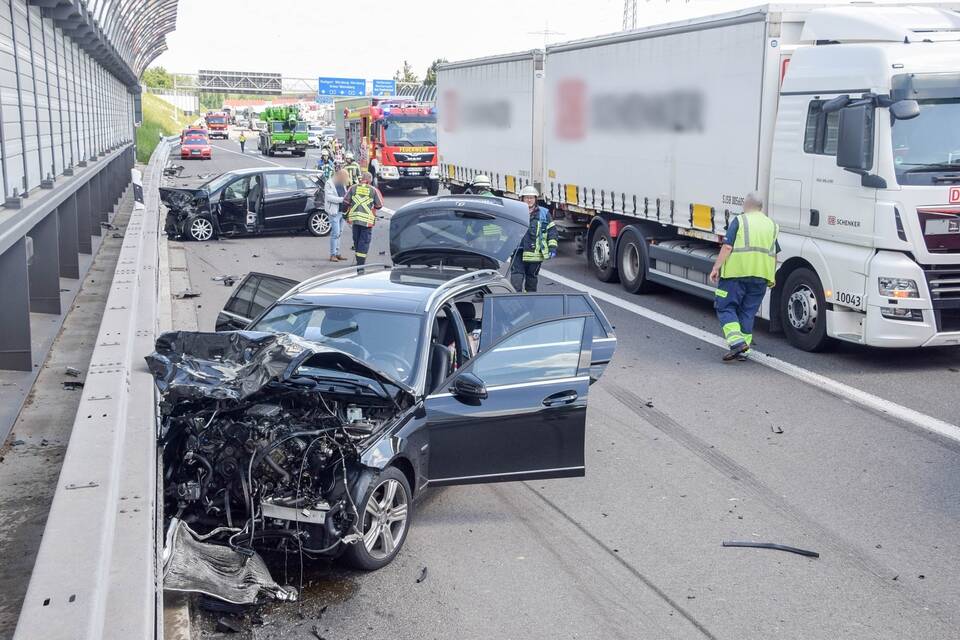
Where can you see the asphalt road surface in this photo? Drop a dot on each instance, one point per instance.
(683, 452)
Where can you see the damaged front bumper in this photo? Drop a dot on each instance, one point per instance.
(256, 457)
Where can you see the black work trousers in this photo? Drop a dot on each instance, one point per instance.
(524, 276)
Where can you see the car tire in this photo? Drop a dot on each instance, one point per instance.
(318, 224)
(803, 311)
(601, 255)
(633, 261)
(433, 187)
(377, 550)
(201, 229)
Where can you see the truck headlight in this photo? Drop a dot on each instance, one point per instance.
(896, 313)
(434, 172)
(898, 287)
(389, 172)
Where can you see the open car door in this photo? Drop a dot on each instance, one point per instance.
(517, 411)
(503, 313)
(255, 293)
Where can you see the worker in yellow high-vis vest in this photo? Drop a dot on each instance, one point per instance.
(362, 201)
(744, 270)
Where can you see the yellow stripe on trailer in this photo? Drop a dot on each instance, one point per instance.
(571, 193)
(511, 184)
(702, 217)
(450, 170)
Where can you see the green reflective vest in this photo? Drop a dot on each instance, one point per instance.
(754, 249)
(361, 206)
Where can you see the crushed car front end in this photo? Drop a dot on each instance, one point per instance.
(258, 455)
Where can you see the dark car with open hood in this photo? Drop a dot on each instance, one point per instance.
(318, 412)
(248, 201)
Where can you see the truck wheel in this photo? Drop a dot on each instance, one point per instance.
(804, 311)
(385, 514)
(433, 187)
(633, 262)
(601, 257)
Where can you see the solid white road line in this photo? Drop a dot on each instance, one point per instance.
(254, 156)
(831, 386)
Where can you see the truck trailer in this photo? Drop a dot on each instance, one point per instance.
(845, 118)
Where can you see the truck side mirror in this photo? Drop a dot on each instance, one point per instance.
(855, 138)
(905, 109)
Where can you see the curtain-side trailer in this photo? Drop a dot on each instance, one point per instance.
(845, 118)
(489, 119)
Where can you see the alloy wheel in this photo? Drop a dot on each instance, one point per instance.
(201, 229)
(385, 519)
(320, 224)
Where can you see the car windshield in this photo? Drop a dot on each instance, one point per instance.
(411, 133)
(931, 141)
(385, 340)
(215, 183)
(216, 119)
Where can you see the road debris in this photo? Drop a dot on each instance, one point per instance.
(770, 545)
(73, 372)
(776, 429)
(423, 575)
(183, 295)
(108, 226)
(227, 281)
(72, 385)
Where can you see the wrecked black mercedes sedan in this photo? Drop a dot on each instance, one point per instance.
(315, 427)
(248, 201)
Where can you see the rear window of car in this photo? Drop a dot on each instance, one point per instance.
(280, 182)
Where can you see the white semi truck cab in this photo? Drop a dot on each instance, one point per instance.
(871, 198)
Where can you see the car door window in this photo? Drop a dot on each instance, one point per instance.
(268, 292)
(547, 351)
(505, 313)
(306, 182)
(239, 303)
(236, 190)
(280, 183)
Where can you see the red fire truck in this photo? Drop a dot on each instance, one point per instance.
(217, 124)
(397, 141)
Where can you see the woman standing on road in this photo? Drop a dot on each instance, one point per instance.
(333, 191)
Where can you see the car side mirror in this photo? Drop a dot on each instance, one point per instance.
(469, 388)
(855, 138)
(905, 109)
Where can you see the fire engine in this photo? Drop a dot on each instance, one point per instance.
(217, 124)
(397, 141)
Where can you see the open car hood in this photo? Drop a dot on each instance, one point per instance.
(234, 365)
(460, 231)
(178, 199)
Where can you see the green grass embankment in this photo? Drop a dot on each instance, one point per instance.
(159, 117)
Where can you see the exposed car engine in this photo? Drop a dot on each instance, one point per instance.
(255, 456)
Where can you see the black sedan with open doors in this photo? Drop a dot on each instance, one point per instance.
(248, 201)
(314, 427)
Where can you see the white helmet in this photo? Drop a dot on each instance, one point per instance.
(529, 190)
(482, 180)
(349, 155)
(325, 153)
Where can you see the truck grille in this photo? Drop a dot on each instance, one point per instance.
(413, 157)
(944, 284)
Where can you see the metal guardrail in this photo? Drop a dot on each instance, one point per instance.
(96, 575)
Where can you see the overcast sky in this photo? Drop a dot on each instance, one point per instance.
(308, 38)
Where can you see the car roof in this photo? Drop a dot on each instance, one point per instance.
(251, 170)
(397, 289)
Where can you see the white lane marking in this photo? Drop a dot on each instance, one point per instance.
(831, 386)
(255, 156)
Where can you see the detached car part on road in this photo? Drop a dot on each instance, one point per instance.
(248, 201)
(314, 428)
